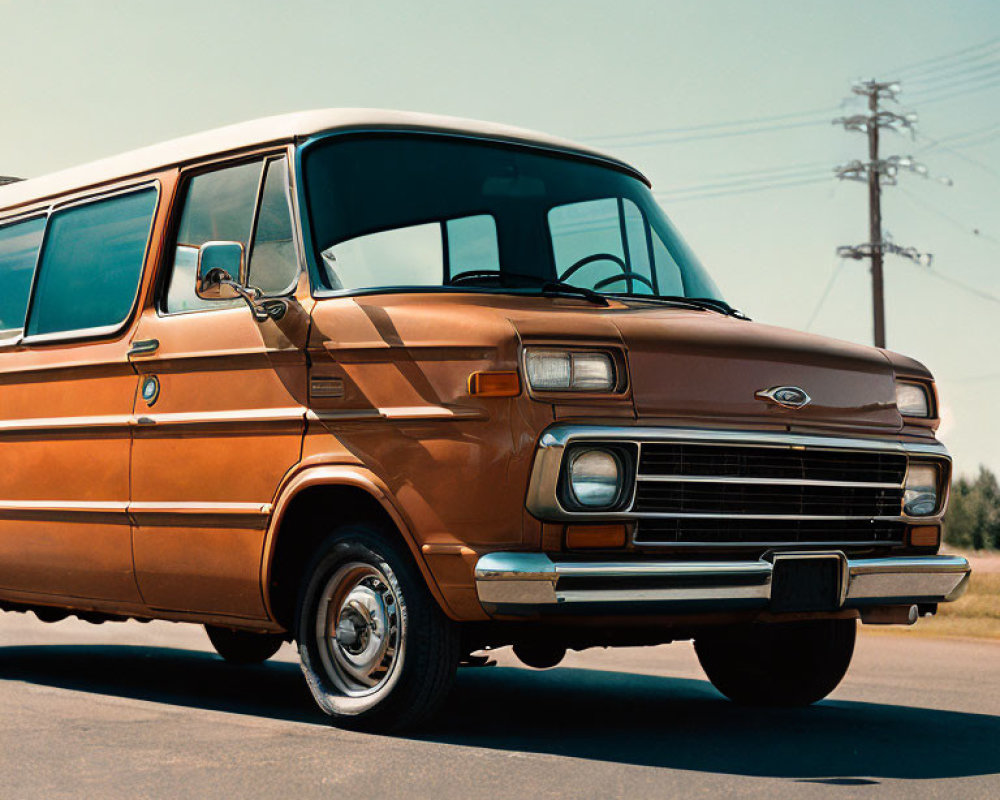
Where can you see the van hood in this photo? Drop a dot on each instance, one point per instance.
(699, 365)
(686, 366)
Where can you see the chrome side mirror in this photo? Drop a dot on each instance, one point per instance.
(220, 270)
(218, 262)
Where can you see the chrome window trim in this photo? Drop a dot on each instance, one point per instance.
(543, 496)
(268, 161)
(103, 330)
(186, 173)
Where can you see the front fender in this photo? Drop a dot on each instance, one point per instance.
(341, 475)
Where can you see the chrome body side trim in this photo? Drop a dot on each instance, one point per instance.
(289, 414)
(65, 424)
(244, 515)
(204, 515)
(124, 422)
(520, 583)
(393, 413)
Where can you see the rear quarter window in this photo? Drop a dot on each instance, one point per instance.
(91, 264)
(19, 245)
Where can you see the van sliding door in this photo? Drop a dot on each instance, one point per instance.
(67, 391)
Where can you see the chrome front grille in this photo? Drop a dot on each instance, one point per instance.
(708, 488)
(755, 496)
(797, 500)
(663, 458)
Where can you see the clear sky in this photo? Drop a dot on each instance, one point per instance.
(81, 80)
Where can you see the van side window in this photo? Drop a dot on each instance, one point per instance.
(274, 265)
(19, 244)
(220, 206)
(91, 263)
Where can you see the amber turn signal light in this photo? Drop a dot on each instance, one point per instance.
(494, 384)
(925, 536)
(579, 536)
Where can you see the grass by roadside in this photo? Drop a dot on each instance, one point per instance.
(975, 614)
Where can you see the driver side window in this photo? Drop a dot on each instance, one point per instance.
(220, 206)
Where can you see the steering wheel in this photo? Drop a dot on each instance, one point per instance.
(627, 274)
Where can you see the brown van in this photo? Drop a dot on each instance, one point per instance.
(404, 388)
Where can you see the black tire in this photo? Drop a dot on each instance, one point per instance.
(394, 654)
(243, 647)
(778, 664)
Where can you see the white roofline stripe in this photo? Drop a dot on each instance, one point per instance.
(262, 132)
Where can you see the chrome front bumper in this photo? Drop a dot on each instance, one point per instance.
(532, 583)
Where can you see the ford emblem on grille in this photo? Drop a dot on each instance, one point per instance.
(785, 396)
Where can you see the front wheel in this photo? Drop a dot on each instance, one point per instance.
(376, 650)
(778, 664)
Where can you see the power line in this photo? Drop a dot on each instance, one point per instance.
(920, 66)
(947, 95)
(763, 179)
(979, 142)
(961, 137)
(766, 171)
(958, 154)
(736, 123)
(975, 232)
(716, 135)
(962, 285)
(956, 71)
(975, 81)
(826, 293)
(748, 190)
(957, 61)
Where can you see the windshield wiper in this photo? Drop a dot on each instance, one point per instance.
(547, 286)
(557, 287)
(707, 303)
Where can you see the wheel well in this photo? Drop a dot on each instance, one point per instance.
(311, 515)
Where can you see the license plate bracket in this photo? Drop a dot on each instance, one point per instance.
(807, 582)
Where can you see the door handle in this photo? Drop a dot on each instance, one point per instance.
(144, 347)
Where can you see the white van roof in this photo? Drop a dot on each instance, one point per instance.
(268, 130)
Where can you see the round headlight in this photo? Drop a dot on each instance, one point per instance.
(920, 498)
(595, 478)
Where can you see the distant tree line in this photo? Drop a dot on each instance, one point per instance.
(973, 518)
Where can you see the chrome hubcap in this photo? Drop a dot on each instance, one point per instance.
(359, 629)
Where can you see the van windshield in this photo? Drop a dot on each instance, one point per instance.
(414, 210)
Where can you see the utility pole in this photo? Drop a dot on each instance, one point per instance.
(875, 223)
(877, 172)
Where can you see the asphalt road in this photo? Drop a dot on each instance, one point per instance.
(129, 710)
